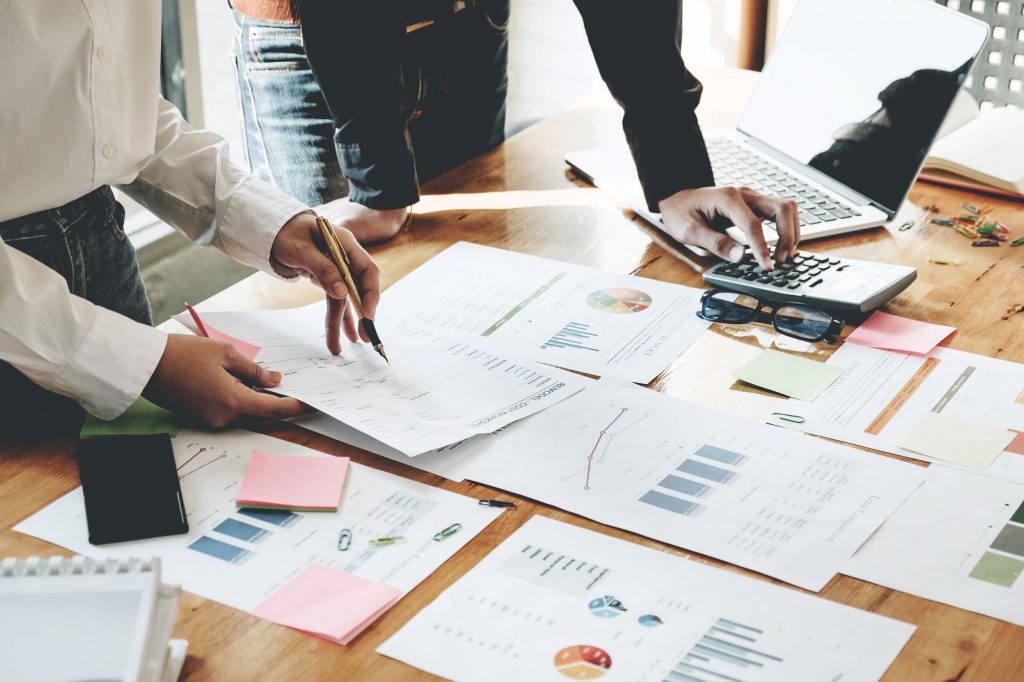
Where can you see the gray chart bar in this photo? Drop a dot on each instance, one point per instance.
(707, 472)
(721, 455)
(676, 505)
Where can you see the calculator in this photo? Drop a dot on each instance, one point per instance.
(821, 281)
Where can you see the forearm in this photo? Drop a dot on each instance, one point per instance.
(637, 53)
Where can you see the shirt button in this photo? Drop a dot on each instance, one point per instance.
(101, 52)
(108, 151)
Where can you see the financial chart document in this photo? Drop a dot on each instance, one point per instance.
(436, 391)
(240, 556)
(959, 540)
(787, 505)
(557, 313)
(883, 394)
(556, 602)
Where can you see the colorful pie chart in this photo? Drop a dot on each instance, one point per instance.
(606, 607)
(619, 301)
(582, 662)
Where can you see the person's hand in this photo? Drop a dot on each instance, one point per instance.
(297, 251)
(200, 376)
(369, 225)
(698, 217)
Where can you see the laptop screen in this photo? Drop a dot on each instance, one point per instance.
(858, 89)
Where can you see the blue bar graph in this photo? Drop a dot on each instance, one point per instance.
(721, 455)
(246, 532)
(676, 505)
(707, 472)
(220, 550)
(725, 650)
(685, 486)
(572, 335)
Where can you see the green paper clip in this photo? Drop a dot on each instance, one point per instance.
(794, 418)
(447, 532)
(1019, 241)
(344, 539)
(392, 540)
(906, 226)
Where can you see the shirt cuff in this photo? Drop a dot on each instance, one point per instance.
(256, 213)
(112, 365)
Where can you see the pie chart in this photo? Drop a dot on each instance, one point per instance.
(606, 607)
(619, 301)
(582, 662)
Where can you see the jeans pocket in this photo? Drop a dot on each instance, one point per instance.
(275, 48)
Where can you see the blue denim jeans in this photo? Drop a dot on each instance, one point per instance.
(455, 97)
(84, 242)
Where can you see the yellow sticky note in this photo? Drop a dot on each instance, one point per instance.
(955, 440)
(789, 374)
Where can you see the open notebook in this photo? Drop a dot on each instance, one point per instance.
(979, 150)
(78, 619)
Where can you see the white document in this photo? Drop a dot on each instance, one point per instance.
(438, 390)
(884, 394)
(558, 313)
(958, 540)
(449, 462)
(784, 504)
(239, 557)
(554, 601)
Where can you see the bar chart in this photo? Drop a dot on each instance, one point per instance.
(695, 478)
(724, 652)
(573, 335)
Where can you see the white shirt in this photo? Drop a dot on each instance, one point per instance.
(80, 110)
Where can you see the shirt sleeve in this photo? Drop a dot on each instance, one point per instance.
(354, 48)
(190, 183)
(638, 54)
(68, 345)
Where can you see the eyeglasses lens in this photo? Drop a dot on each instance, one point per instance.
(730, 307)
(802, 322)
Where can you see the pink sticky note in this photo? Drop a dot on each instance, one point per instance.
(892, 332)
(283, 482)
(1016, 446)
(247, 349)
(328, 603)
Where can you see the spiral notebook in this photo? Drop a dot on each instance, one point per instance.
(79, 619)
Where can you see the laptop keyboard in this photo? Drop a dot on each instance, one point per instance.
(734, 165)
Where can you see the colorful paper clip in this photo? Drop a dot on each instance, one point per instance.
(985, 242)
(391, 540)
(942, 261)
(1019, 241)
(944, 223)
(447, 532)
(344, 539)
(970, 207)
(794, 418)
(906, 226)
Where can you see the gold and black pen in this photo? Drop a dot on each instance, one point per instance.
(340, 258)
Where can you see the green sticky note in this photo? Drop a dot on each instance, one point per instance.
(788, 374)
(142, 418)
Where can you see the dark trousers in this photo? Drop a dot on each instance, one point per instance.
(84, 242)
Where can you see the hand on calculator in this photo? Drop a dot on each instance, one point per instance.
(699, 216)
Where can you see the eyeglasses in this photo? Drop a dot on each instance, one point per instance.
(792, 319)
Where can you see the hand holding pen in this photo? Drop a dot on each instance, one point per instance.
(340, 258)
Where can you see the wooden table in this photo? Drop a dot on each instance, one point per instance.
(520, 197)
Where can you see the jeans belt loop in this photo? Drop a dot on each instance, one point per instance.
(449, 7)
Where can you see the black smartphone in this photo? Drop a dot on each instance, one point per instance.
(131, 488)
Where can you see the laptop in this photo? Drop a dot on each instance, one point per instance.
(850, 101)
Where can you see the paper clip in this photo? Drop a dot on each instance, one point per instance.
(906, 226)
(987, 228)
(344, 539)
(447, 532)
(985, 242)
(941, 261)
(794, 418)
(391, 540)
(1019, 241)
(944, 223)
(970, 207)
(965, 232)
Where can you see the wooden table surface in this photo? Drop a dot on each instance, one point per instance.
(520, 197)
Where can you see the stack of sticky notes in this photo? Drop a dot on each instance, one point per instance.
(789, 375)
(296, 483)
(142, 418)
(892, 332)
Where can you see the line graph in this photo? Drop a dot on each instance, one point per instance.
(183, 476)
(597, 444)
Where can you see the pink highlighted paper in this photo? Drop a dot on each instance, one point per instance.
(247, 349)
(892, 332)
(286, 482)
(328, 603)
